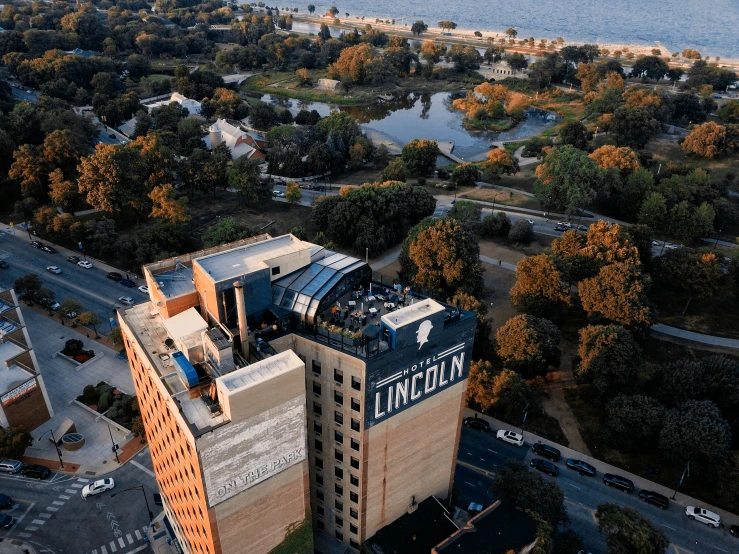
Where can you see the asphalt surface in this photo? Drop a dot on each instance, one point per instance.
(309, 197)
(54, 518)
(480, 454)
(89, 286)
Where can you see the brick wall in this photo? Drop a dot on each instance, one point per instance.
(28, 411)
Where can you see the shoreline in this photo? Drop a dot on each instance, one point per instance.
(468, 36)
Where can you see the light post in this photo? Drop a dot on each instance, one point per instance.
(115, 446)
(58, 452)
(718, 236)
(525, 413)
(143, 491)
(686, 473)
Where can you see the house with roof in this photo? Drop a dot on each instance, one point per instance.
(193, 106)
(239, 141)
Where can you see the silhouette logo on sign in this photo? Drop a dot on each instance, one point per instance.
(422, 335)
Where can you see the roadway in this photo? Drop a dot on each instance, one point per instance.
(308, 197)
(89, 286)
(480, 454)
(54, 518)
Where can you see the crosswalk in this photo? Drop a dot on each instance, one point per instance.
(50, 510)
(123, 542)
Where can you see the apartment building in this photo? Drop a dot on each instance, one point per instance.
(367, 427)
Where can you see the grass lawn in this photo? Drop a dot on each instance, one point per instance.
(665, 150)
(503, 197)
(569, 105)
(523, 180)
(710, 316)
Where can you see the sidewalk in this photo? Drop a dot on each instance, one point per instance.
(727, 518)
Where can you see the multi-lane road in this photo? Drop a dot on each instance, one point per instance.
(480, 454)
(55, 519)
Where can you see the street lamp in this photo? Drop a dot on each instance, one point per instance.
(143, 491)
(686, 472)
(58, 452)
(114, 448)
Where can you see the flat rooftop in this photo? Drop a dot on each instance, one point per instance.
(418, 310)
(259, 372)
(148, 326)
(14, 375)
(175, 282)
(249, 258)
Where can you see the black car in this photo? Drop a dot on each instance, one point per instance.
(734, 530)
(127, 283)
(4, 264)
(36, 244)
(5, 501)
(115, 276)
(655, 498)
(626, 485)
(36, 471)
(6, 522)
(545, 466)
(475, 423)
(546, 451)
(73, 259)
(560, 228)
(48, 249)
(581, 467)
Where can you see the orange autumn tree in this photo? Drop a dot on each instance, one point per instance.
(622, 158)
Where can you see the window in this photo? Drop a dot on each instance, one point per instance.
(317, 408)
(339, 522)
(319, 496)
(319, 446)
(356, 383)
(339, 490)
(354, 497)
(319, 463)
(355, 445)
(338, 398)
(316, 367)
(355, 405)
(353, 543)
(353, 479)
(339, 417)
(320, 525)
(320, 511)
(338, 376)
(355, 463)
(339, 455)
(276, 270)
(317, 388)
(353, 528)
(355, 424)
(317, 427)
(339, 505)
(339, 437)
(319, 480)
(338, 472)
(353, 513)
(339, 535)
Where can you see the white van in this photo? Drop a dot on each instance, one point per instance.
(10, 466)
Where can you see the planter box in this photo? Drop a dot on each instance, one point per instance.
(77, 364)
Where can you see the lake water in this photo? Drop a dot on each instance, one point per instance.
(712, 27)
(423, 116)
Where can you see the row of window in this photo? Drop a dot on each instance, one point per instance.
(338, 416)
(338, 376)
(338, 397)
(338, 437)
(339, 535)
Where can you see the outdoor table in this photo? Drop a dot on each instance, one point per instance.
(352, 302)
(373, 310)
(370, 298)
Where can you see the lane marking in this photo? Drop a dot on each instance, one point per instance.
(57, 503)
(18, 521)
(121, 542)
(47, 516)
(103, 550)
(493, 451)
(38, 521)
(52, 509)
(113, 547)
(470, 484)
(82, 480)
(575, 486)
(77, 486)
(129, 538)
(721, 549)
(672, 528)
(95, 551)
(139, 549)
(138, 534)
(143, 468)
(31, 528)
(71, 491)
(64, 497)
(24, 535)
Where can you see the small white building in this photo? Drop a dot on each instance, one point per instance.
(328, 84)
(240, 142)
(193, 106)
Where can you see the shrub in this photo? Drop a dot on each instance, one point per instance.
(72, 347)
(104, 402)
(421, 181)
(442, 173)
(127, 404)
(13, 443)
(137, 428)
(90, 394)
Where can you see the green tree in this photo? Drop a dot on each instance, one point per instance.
(517, 61)
(245, 176)
(419, 27)
(629, 532)
(651, 67)
(677, 382)
(619, 294)
(28, 286)
(293, 194)
(539, 289)
(13, 442)
(90, 318)
(518, 486)
(689, 272)
(116, 337)
(529, 345)
(467, 213)
(522, 231)
(311, 8)
(609, 358)
(567, 180)
(632, 421)
(696, 432)
(466, 175)
(69, 306)
(419, 156)
(512, 396)
(227, 230)
(262, 116)
(394, 171)
(444, 25)
(495, 225)
(633, 127)
(575, 134)
(653, 211)
(729, 112)
(447, 258)
(112, 177)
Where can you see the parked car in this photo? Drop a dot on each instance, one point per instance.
(127, 283)
(114, 275)
(560, 227)
(72, 315)
(73, 259)
(4, 264)
(36, 471)
(622, 483)
(734, 530)
(546, 451)
(85, 264)
(475, 423)
(530, 222)
(144, 289)
(49, 304)
(544, 466)
(581, 467)
(10, 466)
(510, 437)
(5, 501)
(53, 269)
(48, 249)
(36, 244)
(6, 522)
(704, 516)
(655, 498)
(126, 300)
(97, 487)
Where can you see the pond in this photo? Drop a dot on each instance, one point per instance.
(424, 116)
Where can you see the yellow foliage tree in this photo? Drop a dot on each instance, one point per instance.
(707, 140)
(165, 206)
(622, 158)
